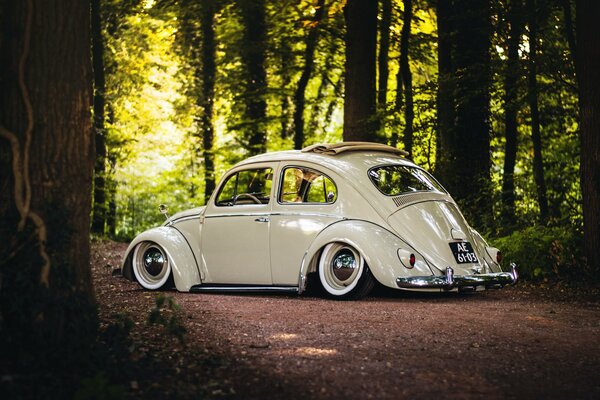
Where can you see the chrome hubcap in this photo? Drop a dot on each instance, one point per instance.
(154, 261)
(344, 264)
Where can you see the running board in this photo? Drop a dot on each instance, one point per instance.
(242, 288)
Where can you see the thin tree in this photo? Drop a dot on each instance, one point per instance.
(511, 108)
(588, 65)
(199, 46)
(360, 118)
(405, 75)
(445, 132)
(253, 49)
(100, 206)
(532, 97)
(383, 57)
(307, 71)
(206, 100)
(464, 150)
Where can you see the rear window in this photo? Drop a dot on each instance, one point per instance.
(393, 180)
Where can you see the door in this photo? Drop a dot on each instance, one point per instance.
(235, 235)
(306, 204)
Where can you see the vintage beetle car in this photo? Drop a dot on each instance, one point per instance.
(351, 213)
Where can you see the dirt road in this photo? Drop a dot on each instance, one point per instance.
(515, 343)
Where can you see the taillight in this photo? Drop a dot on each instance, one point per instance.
(499, 257)
(412, 260)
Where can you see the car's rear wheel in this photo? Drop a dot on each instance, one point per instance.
(343, 272)
(151, 265)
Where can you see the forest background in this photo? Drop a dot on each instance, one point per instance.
(109, 108)
(483, 94)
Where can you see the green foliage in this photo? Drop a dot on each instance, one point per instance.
(154, 136)
(166, 314)
(544, 252)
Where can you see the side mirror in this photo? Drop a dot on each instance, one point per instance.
(163, 210)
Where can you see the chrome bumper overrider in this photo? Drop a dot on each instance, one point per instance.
(451, 281)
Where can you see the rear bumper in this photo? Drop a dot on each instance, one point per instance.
(450, 281)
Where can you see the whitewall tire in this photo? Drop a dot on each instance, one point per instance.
(343, 272)
(151, 265)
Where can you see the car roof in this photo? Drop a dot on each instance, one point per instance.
(344, 158)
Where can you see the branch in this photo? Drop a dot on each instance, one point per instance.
(28, 107)
(20, 165)
(16, 166)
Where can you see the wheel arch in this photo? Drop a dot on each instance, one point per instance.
(184, 267)
(377, 245)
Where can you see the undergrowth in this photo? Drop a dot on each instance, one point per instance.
(545, 253)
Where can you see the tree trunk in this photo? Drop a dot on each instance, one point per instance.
(588, 65)
(99, 210)
(253, 50)
(209, 55)
(337, 94)
(383, 59)
(569, 31)
(445, 104)
(360, 119)
(409, 113)
(464, 152)
(47, 153)
(511, 108)
(309, 61)
(536, 137)
(286, 59)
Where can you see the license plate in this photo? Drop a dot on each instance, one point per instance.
(463, 253)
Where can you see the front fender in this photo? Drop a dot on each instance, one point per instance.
(378, 246)
(184, 266)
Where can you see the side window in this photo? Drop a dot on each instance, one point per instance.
(305, 185)
(250, 186)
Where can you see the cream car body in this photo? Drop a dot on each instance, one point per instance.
(276, 218)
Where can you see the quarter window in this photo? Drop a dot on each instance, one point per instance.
(393, 180)
(250, 186)
(305, 185)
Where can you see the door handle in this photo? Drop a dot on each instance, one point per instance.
(262, 219)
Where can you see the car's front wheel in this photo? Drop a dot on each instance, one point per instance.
(151, 265)
(344, 273)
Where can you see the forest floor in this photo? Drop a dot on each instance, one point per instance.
(522, 342)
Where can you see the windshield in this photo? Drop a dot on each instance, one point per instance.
(393, 180)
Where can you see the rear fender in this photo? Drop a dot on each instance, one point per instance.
(183, 263)
(377, 245)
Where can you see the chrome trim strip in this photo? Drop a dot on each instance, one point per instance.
(308, 214)
(255, 214)
(233, 288)
(186, 218)
(300, 214)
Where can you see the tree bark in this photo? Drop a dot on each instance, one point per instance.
(309, 61)
(511, 108)
(253, 54)
(99, 210)
(532, 96)
(409, 113)
(360, 118)
(588, 65)
(46, 293)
